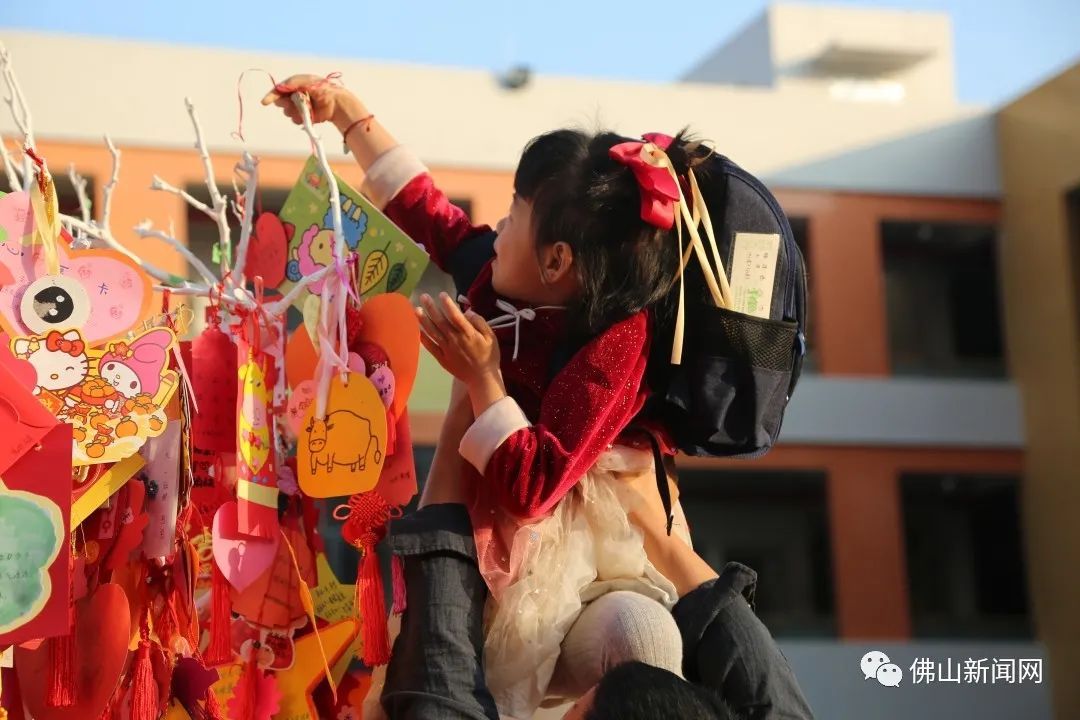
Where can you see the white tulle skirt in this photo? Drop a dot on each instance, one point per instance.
(585, 548)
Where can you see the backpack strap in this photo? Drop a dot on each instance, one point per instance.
(661, 477)
(799, 351)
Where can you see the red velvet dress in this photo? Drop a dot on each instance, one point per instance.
(535, 446)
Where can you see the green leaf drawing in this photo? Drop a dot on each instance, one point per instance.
(396, 277)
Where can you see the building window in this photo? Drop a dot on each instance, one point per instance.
(964, 556)
(1072, 203)
(68, 200)
(943, 306)
(776, 523)
(465, 204)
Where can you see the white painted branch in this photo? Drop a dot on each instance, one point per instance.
(15, 100)
(220, 207)
(11, 169)
(279, 306)
(102, 234)
(20, 112)
(158, 184)
(197, 290)
(145, 230)
(249, 166)
(320, 152)
(236, 211)
(110, 187)
(332, 291)
(193, 289)
(79, 183)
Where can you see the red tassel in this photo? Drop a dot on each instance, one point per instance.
(398, 578)
(372, 608)
(114, 700)
(144, 688)
(245, 696)
(62, 680)
(366, 522)
(219, 651)
(211, 709)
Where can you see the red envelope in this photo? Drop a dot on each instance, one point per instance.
(23, 420)
(214, 380)
(45, 471)
(397, 483)
(21, 369)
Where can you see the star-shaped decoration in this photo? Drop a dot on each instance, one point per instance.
(298, 682)
(334, 601)
(176, 711)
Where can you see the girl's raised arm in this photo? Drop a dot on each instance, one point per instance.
(365, 136)
(394, 179)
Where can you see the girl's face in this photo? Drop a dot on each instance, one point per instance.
(519, 272)
(515, 271)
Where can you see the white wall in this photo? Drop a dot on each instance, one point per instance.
(463, 119)
(745, 59)
(829, 675)
(902, 411)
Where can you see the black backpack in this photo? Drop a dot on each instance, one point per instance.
(738, 371)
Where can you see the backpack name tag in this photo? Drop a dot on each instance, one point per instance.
(753, 270)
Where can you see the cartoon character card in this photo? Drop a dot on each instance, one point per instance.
(390, 260)
(114, 398)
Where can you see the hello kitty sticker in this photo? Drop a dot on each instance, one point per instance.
(113, 398)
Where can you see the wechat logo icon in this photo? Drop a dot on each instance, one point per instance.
(875, 664)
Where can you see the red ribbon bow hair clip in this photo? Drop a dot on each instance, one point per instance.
(659, 189)
(56, 342)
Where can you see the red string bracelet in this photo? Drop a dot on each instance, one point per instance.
(345, 135)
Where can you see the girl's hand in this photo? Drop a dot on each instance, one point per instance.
(328, 100)
(462, 343)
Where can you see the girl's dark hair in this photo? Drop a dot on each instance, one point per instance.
(636, 691)
(583, 197)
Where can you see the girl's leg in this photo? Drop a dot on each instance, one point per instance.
(615, 628)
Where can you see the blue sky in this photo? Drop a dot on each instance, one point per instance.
(1003, 47)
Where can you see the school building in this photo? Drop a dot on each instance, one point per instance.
(920, 501)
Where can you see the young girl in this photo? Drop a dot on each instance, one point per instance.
(565, 280)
